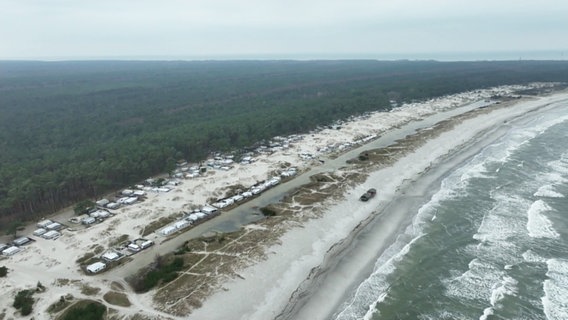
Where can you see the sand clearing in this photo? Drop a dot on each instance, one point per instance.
(263, 289)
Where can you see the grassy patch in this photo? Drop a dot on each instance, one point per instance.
(155, 225)
(84, 310)
(89, 291)
(117, 286)
(61, 304)
(268, 211)
(90, 257)
(118, 240)
(161, 272)
(117, 299)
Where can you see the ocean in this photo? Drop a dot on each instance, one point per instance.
(491, 243)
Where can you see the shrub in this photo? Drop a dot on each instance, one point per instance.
(3, 271)
(161, 273)
(267, 212)
(90, 311)
(24, 302)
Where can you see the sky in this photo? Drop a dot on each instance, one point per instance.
(309, 29)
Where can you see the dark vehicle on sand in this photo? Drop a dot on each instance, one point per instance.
(368, 195)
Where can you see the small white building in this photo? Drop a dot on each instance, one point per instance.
(182, 224)
(121, 200)
(112, 205)
(21, 241)
(220, 204)
(88, 221)
(50, 235)
(39, 232)
(96, 267)
(168, 230)
(102, 214)
(110, 256)
(131, 200)
(138, 193)
(102, 202)
(11, 251)
(133, 247)
(274, 181)
(208, 210)
(237, 198)
(54, 226)
(192, 217)
(44, 223)
(146, 244)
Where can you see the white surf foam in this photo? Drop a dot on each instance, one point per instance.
(538, 225)
(507, 287)
(476, 283)
(531, 256)
(560, 166)
(375, 287)
(498, 230)
(503, 220)
(555, 299)
(486, 313)
(548, 191)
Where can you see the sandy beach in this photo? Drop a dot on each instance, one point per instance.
(318, 254)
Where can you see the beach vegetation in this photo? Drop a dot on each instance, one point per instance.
(84, 206)
(24, 302)
(84, 310)
(59, 305)
(14, 227)
(160, 272)
(268, 212)
(117, 299)
(3, 271)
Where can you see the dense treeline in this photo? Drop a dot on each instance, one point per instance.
(75, 130)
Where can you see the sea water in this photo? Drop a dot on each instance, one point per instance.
(492, 243)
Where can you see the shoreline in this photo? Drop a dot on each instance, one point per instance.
(310, 288)
(328, 232)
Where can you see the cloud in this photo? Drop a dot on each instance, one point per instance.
(44, 28)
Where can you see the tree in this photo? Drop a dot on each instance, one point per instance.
(13, 228)
(84, 206)
(3, 271)
(24, 302)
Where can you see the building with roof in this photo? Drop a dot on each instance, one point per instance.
(146, 244)
(110, 256)
(21, 241)
(39, 232)
(54, 226)
(44, 223)
(102, 202)
(10, 251)
(168, 230)
(52, 234)
(96, 267)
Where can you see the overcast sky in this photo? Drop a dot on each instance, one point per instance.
(87, 29)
